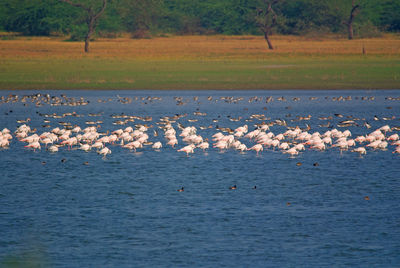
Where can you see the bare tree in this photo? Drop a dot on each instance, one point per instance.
(266, 19)
(355, 9)
(91, 18)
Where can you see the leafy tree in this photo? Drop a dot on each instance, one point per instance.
(93, 11)
(389, 16)
(182, 16)
(304, 16)
(112, 22)
(140, 16)
(3, 15)
(33, 17)
(226, 16)
(145, 17)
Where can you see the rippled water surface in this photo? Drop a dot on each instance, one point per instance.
(125, 211)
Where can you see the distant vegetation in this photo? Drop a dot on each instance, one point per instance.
(146, 18)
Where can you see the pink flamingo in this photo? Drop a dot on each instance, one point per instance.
(4, 143)
(53, 149)
(374, 144)
(157, 145)
(133, 145)
(360, 139)
(396, 143)
(257, 148)
(172, 142)
(385, 129)
(204, 146)
(188, 149)
(292, 151)
(70, 142)
(284, 146)
(34, 145)
(85, 147)
(98, 145)
(242, 147)
(319, 146)
(105, 151)
(221, 145)
(360, 150)
(383, 145)
(393, 137)
(299, 147)
(118, 132)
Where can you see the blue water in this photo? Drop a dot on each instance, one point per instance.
(125, 211)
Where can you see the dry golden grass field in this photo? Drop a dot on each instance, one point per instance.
(201, 62)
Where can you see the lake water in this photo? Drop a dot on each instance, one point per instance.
(78, 209)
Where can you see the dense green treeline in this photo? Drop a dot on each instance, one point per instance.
(143, 18)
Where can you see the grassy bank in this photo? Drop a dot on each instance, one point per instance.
(216, 62)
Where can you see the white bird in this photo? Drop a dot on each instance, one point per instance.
(105, 151)
(76, 129)
(85, 147)
(188, 149)
(34, 145)
(360, 150)
(128, 129)
(118, 132)
(360, 139)
(53, 149)
(257, 148)
(393, 137)
(47, 141)
(374, 144)
(292, 151)
(133, 145)
(242, 147)
(98, 145)
(5, 130)
(299, 147)
(319, 146)
(383, 145)
(221, 145)
(4, 143)
(284, 146)
(385, 128)
(157, 145)
(204, 145)
(172, 142)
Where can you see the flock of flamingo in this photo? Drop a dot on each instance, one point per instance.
(187, 139)
(291, 142)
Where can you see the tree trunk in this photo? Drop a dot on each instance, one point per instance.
(270, 46)
(350, 30)
(86, 45)
(89, 35)
(349, 23)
